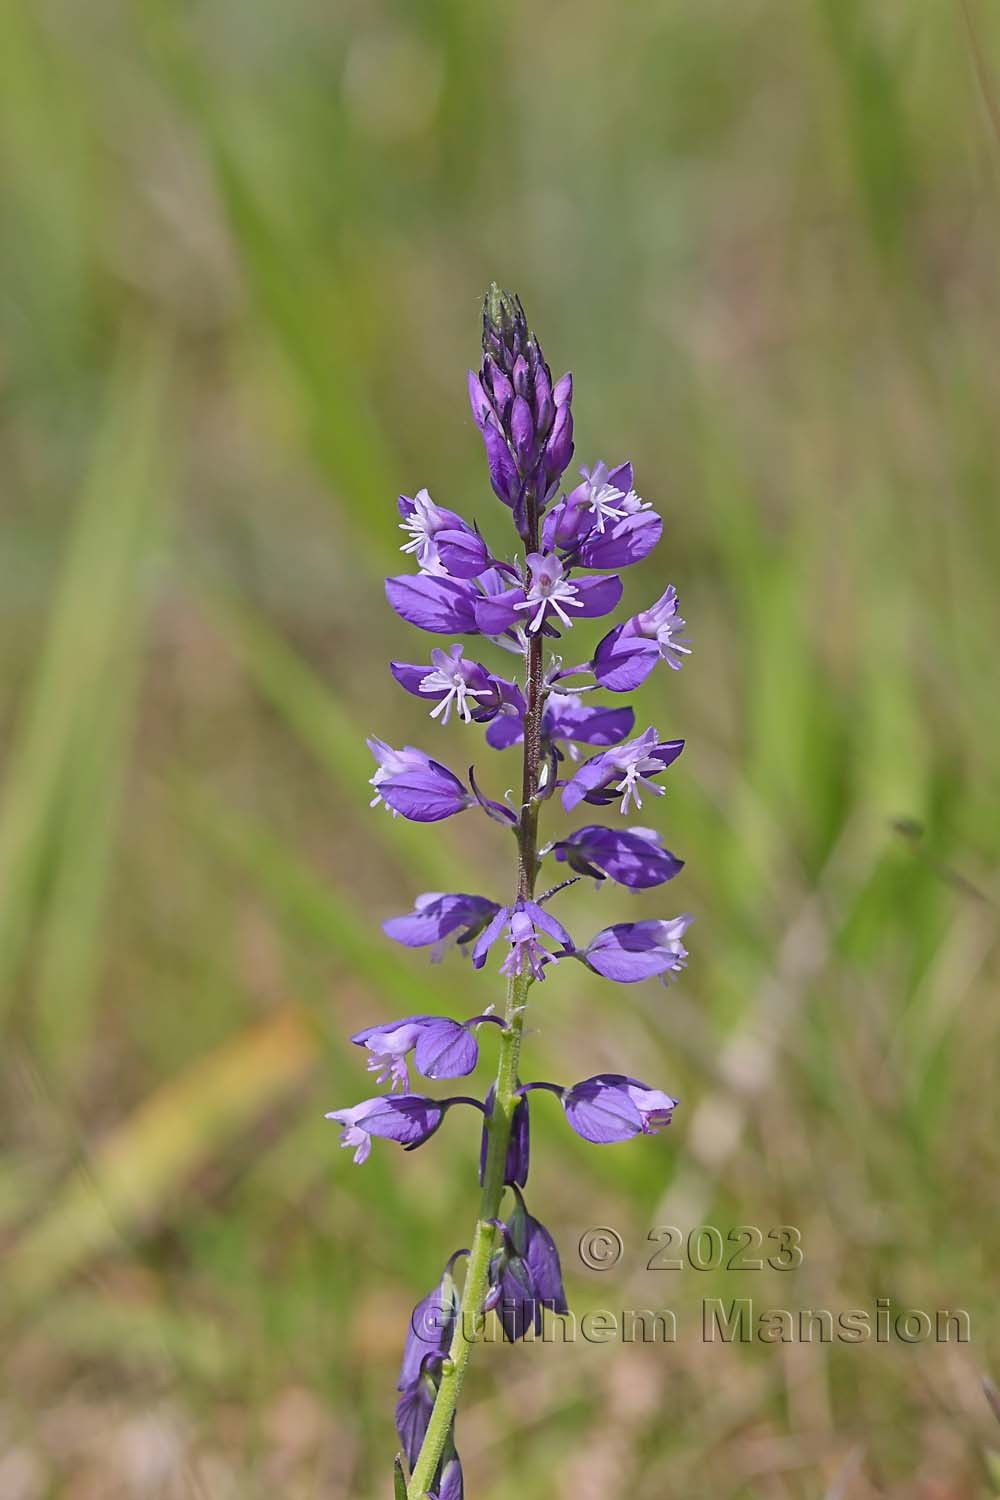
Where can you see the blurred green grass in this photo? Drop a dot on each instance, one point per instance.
(240, 270)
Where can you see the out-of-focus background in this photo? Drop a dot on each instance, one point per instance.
(241, 261)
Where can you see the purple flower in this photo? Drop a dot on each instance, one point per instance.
(631, 951)
(436, 916)
(628, 653)
(410, 783)
(549, 593)
(450, 681)
(632, 856)
(409, 1119)
(442, 541)
(621, 771)
(612, 1107)
(519, 1146)
(522, 921)
(442, 1048)
(442, 606)
(593, 505)
(512, 1294)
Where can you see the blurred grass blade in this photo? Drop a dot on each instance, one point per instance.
(328, 729)
(136, 1176)
(69, 748)
(310, 904)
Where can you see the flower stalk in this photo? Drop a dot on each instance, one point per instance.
(512, 1265)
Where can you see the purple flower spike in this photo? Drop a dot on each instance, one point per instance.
(409, 1119)
(412, 784)
(626, 656)
(519, 1148)
(437, 916)
(631, 951)
(442, 606)
(631, 856)
(443, 1049)
(612, 1107)
(622, 771)
(442, 542)
(522, 921)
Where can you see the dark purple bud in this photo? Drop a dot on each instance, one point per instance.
(522, 429)
(559, 446)
(518, 1148)
(519, 375)
(516, 1305)
(482, 410)
(503, 470)
(634, 857)
(536, 1246)
(612, 1107)
(505, 328)
(630, 951)
(562, 395)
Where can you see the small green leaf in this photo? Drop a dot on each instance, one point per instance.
(399, 1478)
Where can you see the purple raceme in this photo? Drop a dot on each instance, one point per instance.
(563, 572)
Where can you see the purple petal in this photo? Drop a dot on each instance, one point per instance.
(445, 1049)
(489, 936)
(425, 794)
(628, 541)
(443, 606)
(463, 553)
(622, 662)
(497, 614)
(410, 675)
(600, 1113)
(629, 952)
(413, 1413)
(503, 472)
(600, 595)
(437, 916)
(591, 775)
(547, 922)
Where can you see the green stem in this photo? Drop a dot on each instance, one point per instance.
(469, 1322)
